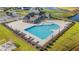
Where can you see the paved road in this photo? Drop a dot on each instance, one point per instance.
(8, 18)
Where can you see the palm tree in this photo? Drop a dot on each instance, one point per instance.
(50, 43)
(41, 50)
(37, 47)
(48, 46)
(46, 49)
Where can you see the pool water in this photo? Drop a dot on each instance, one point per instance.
(42, 31)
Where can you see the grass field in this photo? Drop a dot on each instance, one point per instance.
(7, 34)
(68, 40)
(69, 8)
(22, 12)
(60, 14)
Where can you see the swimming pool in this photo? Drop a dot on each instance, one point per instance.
(42, 31)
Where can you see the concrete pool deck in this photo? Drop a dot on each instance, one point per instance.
(20, 25)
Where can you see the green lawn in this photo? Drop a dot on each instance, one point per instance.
(60, 14)
(8, 34)
(22, 12)
(68, 40)
(69, 8)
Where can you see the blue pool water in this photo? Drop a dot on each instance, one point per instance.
(75, 18)
(42, 31)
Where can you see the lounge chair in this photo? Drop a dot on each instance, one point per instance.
(19, 33)
(22, 34)
(16, 31)
(24, 37)
(33, 43)
(29, 37)
(32, 39)
(37, 42)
